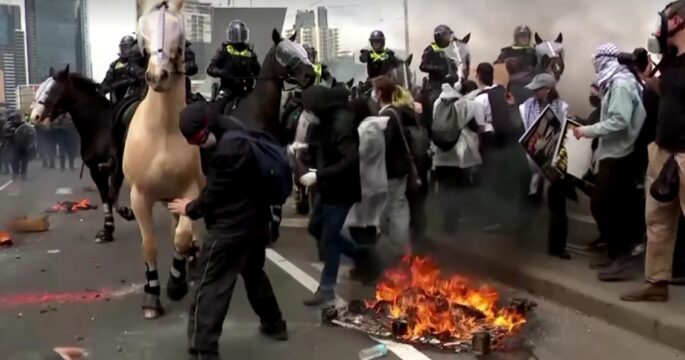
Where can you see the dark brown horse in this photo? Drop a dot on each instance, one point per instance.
(102, 136)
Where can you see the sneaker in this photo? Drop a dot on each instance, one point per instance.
(320, 298)
(650, 293)
(620, 269)
(278, 331)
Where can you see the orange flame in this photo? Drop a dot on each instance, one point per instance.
(447, 308)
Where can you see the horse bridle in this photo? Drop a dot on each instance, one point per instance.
(163, 7)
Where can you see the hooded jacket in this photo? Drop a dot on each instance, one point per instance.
(335, 145)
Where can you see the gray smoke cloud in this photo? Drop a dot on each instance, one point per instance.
(585, 24)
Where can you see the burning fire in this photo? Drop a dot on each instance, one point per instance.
(71, 206)
(444, 308)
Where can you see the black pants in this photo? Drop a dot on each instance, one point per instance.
(618, 205)
(222, 258)
(20, 162)
(452, 183)
(504, 181)
(5, 158)
(418, 219)
(557, 194)
(62, 139)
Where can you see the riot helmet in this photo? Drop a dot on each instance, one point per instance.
(377, 40)
(443, 35)
(522, 35)
(237, 32)
(311, 52)
(126, 45)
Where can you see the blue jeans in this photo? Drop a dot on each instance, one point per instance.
(334, 244)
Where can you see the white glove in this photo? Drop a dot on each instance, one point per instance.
(308, 179)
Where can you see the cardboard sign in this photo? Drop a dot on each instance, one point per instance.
(541, 140)
(573, 156)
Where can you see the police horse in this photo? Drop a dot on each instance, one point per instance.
(550, 55)
(101, 127)
(162, 167)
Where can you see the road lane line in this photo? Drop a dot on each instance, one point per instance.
(3, 187)
(402, 351)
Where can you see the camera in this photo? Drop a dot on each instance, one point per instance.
(637, 60)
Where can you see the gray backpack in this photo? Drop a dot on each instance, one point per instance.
(449, 118)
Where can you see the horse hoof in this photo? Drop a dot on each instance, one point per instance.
(126, 213)
(176, 291)
(152, 307)
(103, 237)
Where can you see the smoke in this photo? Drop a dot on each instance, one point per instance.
(585, 24)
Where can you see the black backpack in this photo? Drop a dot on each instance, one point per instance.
(505, 129)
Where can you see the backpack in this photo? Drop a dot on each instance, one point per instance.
(505, 130)
(275, 173)
(447, 120)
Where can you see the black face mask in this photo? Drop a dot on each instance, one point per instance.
(595, 101)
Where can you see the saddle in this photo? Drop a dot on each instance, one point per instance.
(125, 109)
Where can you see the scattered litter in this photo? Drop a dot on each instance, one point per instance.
(20, 315)
(17, 257)
(56, 251)
(5, 239)
(120, 348)
(25, 224)
(48, 309)
(79, 338)
(374, 352)
(92, 319)
(43, 270)
(71, 206)
(64, 191)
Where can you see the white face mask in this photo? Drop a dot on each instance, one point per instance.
(210, 142)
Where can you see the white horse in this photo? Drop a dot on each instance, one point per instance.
(158, 163)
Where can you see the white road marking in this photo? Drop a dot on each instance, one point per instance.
(7, 184)
(300, 223)
(64, 191)
(403, 351)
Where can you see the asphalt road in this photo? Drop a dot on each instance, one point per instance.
(60, 288)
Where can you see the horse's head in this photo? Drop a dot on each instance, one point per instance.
(460, 52)
(402, 73)
(288, 60)
(161, 35)
(52, 97)
(550, 55)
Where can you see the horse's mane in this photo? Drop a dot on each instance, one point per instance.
(84, 83)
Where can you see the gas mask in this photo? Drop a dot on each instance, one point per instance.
(659, 44)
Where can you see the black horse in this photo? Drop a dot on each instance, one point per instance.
(102, 129)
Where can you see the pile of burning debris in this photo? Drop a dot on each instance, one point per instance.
(72, 206)
(415, 304)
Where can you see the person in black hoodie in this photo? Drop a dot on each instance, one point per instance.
(336, 149)
(237, 220)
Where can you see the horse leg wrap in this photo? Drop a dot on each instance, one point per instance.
(109, 218)
(152, 281)
(177, 286)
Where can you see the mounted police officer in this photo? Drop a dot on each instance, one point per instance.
(379, 60)
(439, 66)
(236, 64)
(323, 76)
(521, 49)
(191, 69)
(126, 75)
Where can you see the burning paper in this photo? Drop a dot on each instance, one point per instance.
(72, 206)
(415, 303)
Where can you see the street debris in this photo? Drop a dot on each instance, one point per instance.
(56, 251)
(6, 239)
(71, 207)
(79, 338)
(25, 224)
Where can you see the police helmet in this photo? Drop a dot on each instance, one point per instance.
(126, 44)
(521, 31)
(443, 34)
(377, 36)
(311, 52)
(237, 32)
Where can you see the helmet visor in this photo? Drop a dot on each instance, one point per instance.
(238, 34)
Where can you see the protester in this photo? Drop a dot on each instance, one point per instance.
(396, 216)
(336, 177)
(60, 131)
(456, 166)
(662, 217)
(503, 161)
(4, 149)
(237, 231)
(519, 76)
(615, 199)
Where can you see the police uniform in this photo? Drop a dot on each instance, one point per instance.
(521, 49)
(126, 75)
(379, 60)
(191, 69)
(439, 68)
(237, 66)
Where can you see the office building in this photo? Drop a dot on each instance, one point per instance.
(312, 29)
(56, 36)
(12, 54)
(198, 21)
